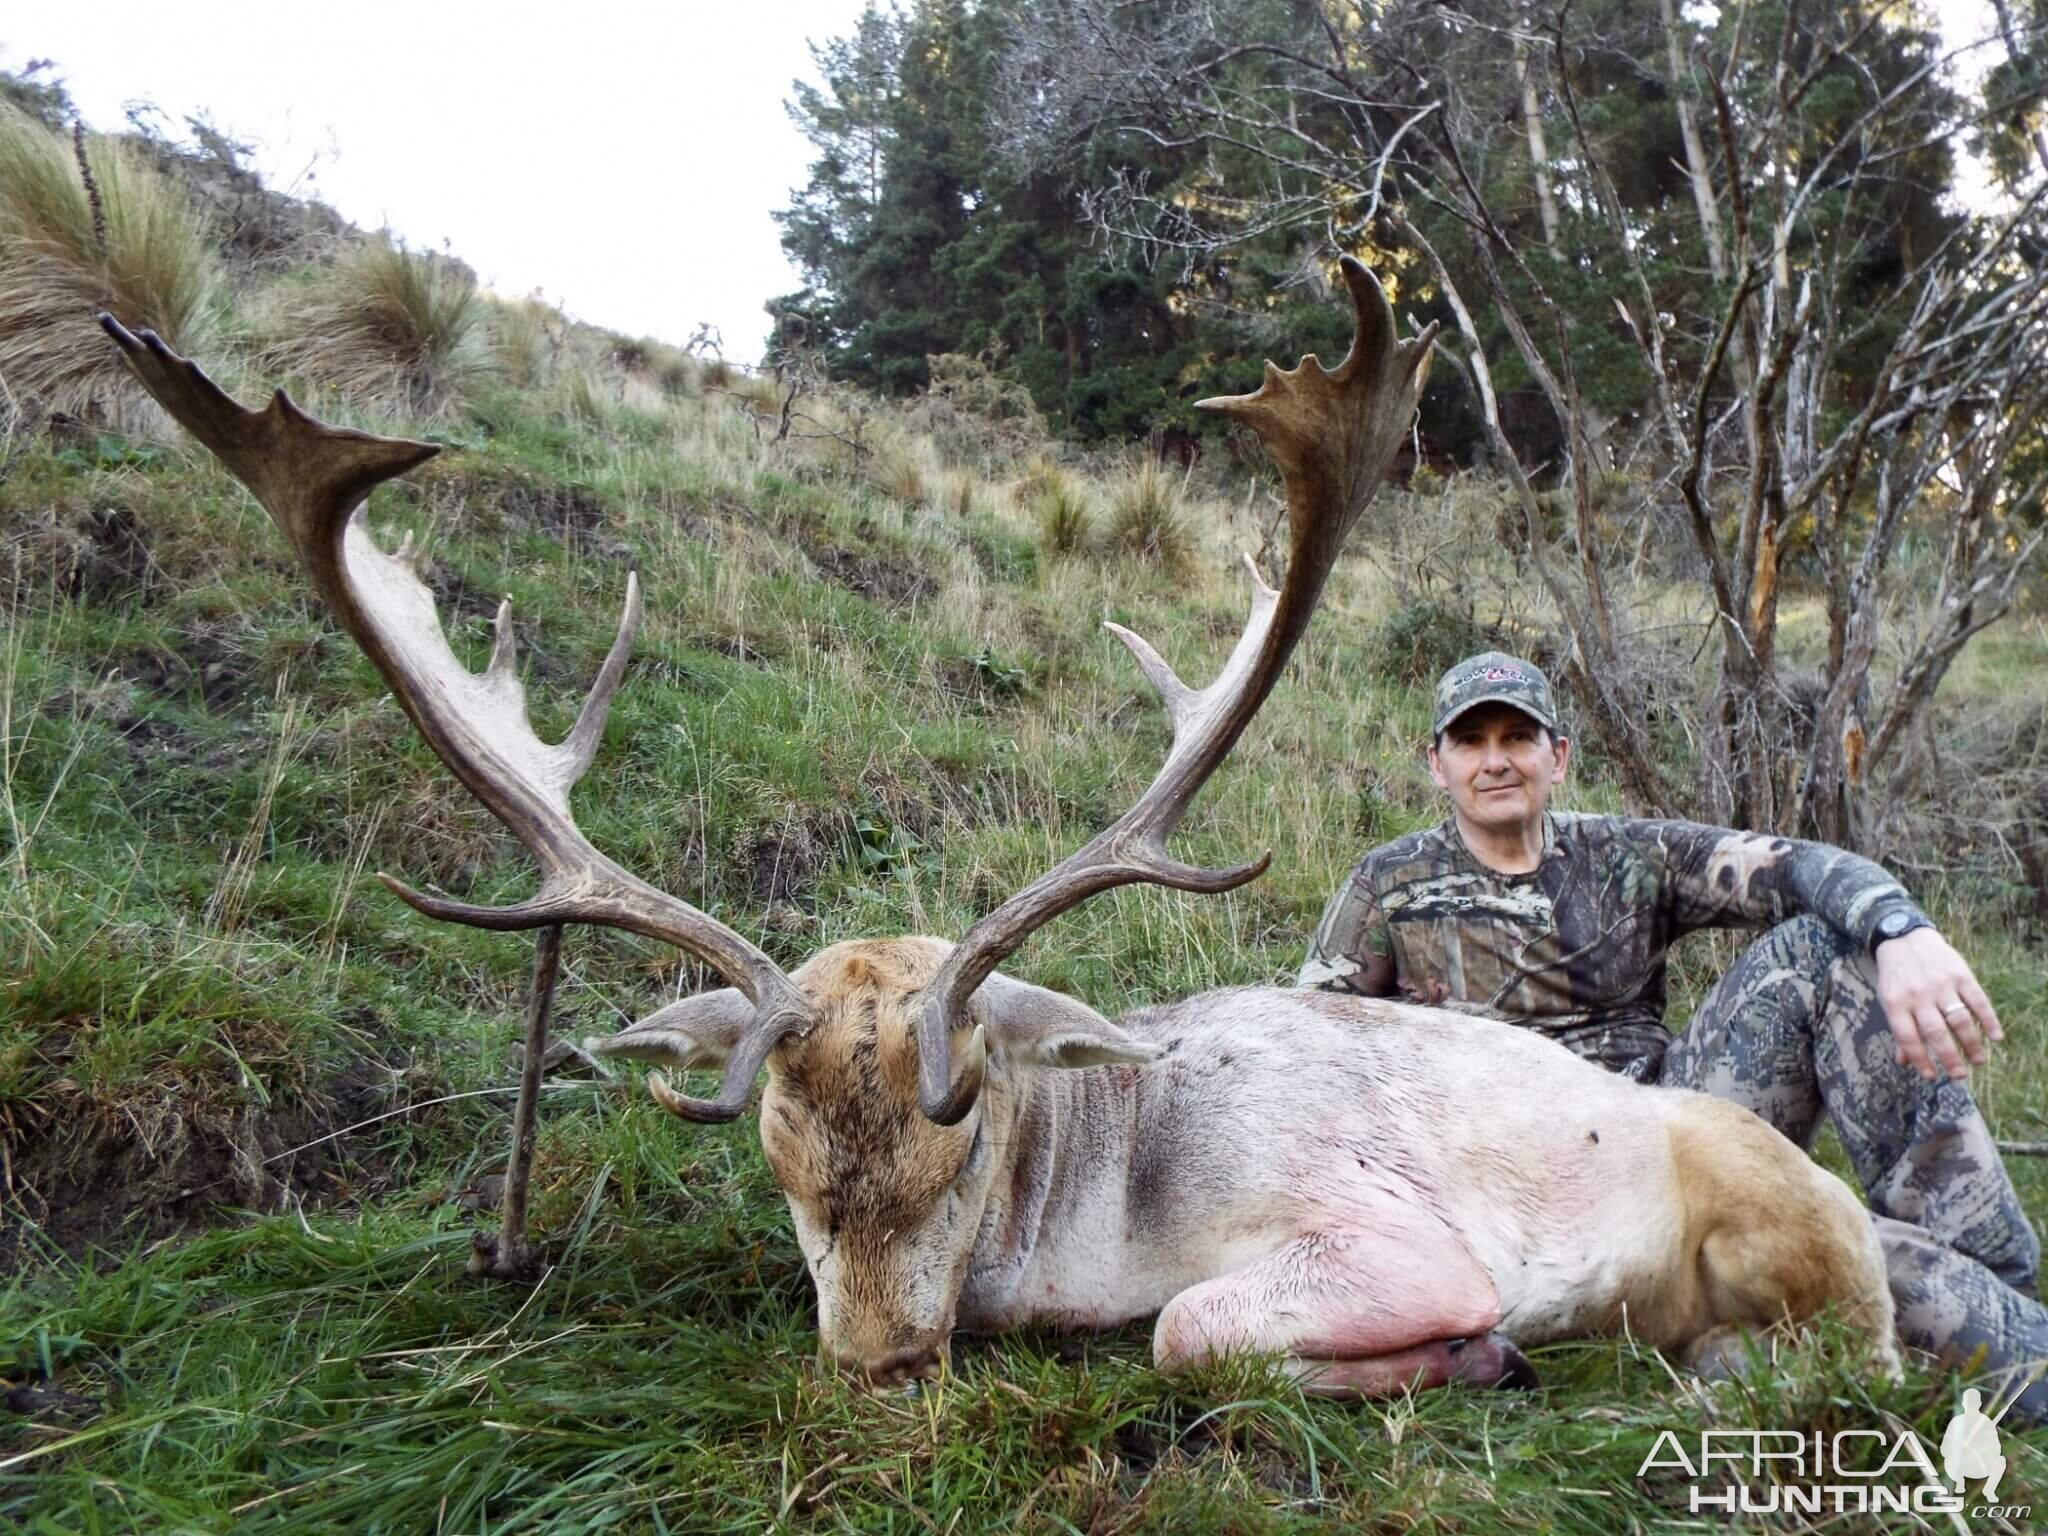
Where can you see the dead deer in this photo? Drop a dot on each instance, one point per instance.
(1383, 1195)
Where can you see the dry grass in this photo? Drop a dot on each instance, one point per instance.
(903, 475)
(1147, 520)
(128, 241)
(527, 338)
(387, 326)
(586, 398)
(958, 493)
(1063, 510)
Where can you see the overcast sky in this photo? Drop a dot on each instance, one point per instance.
(622, 157)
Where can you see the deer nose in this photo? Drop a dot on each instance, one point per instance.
(894, 1367)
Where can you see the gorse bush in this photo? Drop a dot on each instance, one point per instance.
(388, 326)
(112, 234)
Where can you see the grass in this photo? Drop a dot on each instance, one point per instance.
(526, 339)
(384, 324)
(250, 1105)
(1064, 512)
(1148, 519)
(335, 1375)
(128, 240)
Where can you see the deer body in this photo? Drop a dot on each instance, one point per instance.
(1449, 1178)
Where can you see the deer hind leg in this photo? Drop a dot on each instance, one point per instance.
(1355, 1313)
(1778, 1239)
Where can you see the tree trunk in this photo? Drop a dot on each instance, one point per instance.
(1695, 151)
(1539, 155)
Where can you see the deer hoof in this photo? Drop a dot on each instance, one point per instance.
(1492, 1360)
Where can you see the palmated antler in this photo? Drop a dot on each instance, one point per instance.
(1332, 435)
(312, 479)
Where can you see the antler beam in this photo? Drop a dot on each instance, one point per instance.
(312, 479)
(1332, 435)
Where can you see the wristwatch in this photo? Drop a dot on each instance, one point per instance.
(1896, 924)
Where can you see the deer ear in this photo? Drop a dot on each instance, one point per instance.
(698, 1032)
(1040, 1027)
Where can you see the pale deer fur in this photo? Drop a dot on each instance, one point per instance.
(1448, 1177)
(1381, 1194)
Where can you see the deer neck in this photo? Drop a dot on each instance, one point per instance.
(1056, 1238)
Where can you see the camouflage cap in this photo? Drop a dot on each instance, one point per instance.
(1494, 677)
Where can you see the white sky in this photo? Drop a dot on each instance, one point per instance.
(622, 157)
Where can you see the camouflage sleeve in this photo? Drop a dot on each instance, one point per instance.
(1717, 878)
(1352, 950)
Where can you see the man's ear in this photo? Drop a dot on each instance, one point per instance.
(695, 1033)
(1560, 757)
(1039, 1027)
(1436, 769)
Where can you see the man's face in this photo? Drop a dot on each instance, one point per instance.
(1498, 766)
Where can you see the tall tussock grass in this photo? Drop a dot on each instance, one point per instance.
(527, 338)
(1147, 520)
(386, 326)
(1063, 509)
(88, 224)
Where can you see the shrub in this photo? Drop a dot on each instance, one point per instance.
(1422, 638)
(390, 326)
(973, 408)
(1146, 520)
(670, 371)
(122, 238)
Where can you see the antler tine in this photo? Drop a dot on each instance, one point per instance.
(1332, 435)
(312, 479)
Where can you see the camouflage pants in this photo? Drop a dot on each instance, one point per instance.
(1794, 1030)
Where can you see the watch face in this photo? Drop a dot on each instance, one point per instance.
(1894, 924)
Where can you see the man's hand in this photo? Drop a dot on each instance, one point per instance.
(1933, 1003)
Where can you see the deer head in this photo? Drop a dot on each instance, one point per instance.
(895, 1067)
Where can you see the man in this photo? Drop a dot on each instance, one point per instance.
(1850, 1002)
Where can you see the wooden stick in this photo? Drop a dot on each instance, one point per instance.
(508, 1256)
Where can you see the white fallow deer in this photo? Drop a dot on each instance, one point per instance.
(1383, 1195)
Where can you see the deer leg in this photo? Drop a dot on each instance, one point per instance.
(508, 1256)
(1490, 1360)
(1355, 1313)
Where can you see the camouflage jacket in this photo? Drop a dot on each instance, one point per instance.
(1576, 946)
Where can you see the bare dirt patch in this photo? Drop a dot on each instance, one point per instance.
(201, 666)
(91, 1178)
(785, 861)
(98, 554)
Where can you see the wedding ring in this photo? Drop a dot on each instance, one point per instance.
(1954, 1008)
